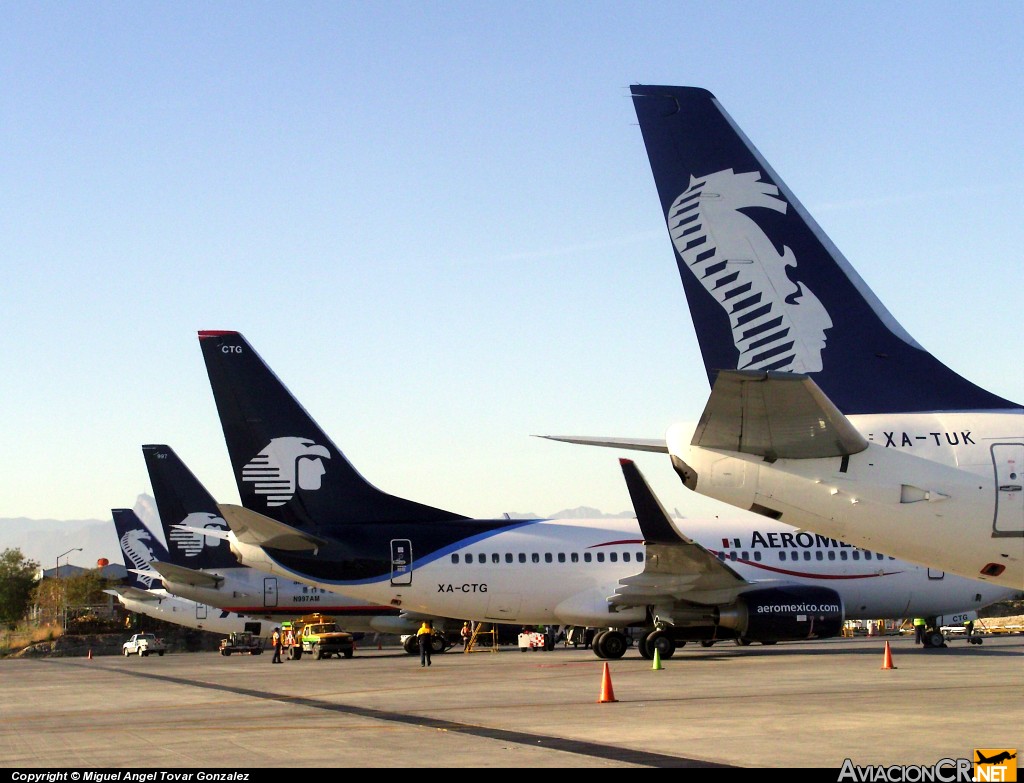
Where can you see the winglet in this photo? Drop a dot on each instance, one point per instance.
(654, 521)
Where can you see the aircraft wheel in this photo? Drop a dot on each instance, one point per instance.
(411, 646)
(614, 644)
(741, 641)
(644, 648)
(663, 643)
(707, 642)
(596, 646)
(935, 639)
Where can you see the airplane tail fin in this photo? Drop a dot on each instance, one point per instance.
(139, 547)
(285, 465)
(182, 500)
(766, 287)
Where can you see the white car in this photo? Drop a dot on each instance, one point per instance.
(143, 644)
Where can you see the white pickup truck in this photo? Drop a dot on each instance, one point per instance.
(143, 644)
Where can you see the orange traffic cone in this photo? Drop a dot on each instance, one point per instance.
(887, 660)
(607, 694)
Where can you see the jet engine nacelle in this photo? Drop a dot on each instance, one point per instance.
(785, 613)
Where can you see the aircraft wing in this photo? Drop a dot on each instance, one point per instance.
(775, 415)
(187, 576)
(632, 444)
(253, 528)
(676, 568)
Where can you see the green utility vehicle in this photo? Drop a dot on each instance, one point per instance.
(322, 638)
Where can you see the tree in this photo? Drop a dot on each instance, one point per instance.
(17, 579)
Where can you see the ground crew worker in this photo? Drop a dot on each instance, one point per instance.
(969, 628)
(467, 632)
(423, 639)
(919, 628)
(276, 640)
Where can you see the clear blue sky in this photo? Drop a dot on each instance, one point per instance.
(437, 223)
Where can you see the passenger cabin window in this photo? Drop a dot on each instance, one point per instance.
(831, 554)
(508, 557)
(625, 557)
(548, 558)
(757, 557)
(639, 557)
(613, 557)
(782, 555)
(746, 555)
(495, 558)
(561, 557)
(818, 555)
(732, 556)
(574, 557)
(522, 557)
(600, 557)
(535, 557)
(856, 555)
(721, 555)
(807, 555)
(587, 557)
(469, 557)
(843, 555)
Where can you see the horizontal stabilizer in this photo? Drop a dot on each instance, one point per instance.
(186, 576)
(631, 444)
(774, 415)
(134, 594)
(253, 528)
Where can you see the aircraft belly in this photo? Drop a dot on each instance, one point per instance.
(504, 608)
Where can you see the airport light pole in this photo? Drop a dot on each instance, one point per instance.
(56, 575)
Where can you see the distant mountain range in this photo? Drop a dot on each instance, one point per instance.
(43, 540)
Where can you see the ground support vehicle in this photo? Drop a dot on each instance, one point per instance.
(241, 643)
(143, 644)
(291, 639)
(322, 638)
(439, 643)
(531, 640)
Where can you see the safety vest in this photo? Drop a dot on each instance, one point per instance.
(277, 638)
(919, 621)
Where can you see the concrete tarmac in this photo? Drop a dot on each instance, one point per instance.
(801, 704)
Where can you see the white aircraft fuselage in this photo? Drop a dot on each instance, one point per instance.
(958, 473)
(563, 572)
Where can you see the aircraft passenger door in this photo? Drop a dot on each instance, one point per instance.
(401, 562)
(201, 611)
(270, 591)
(1009, 464)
